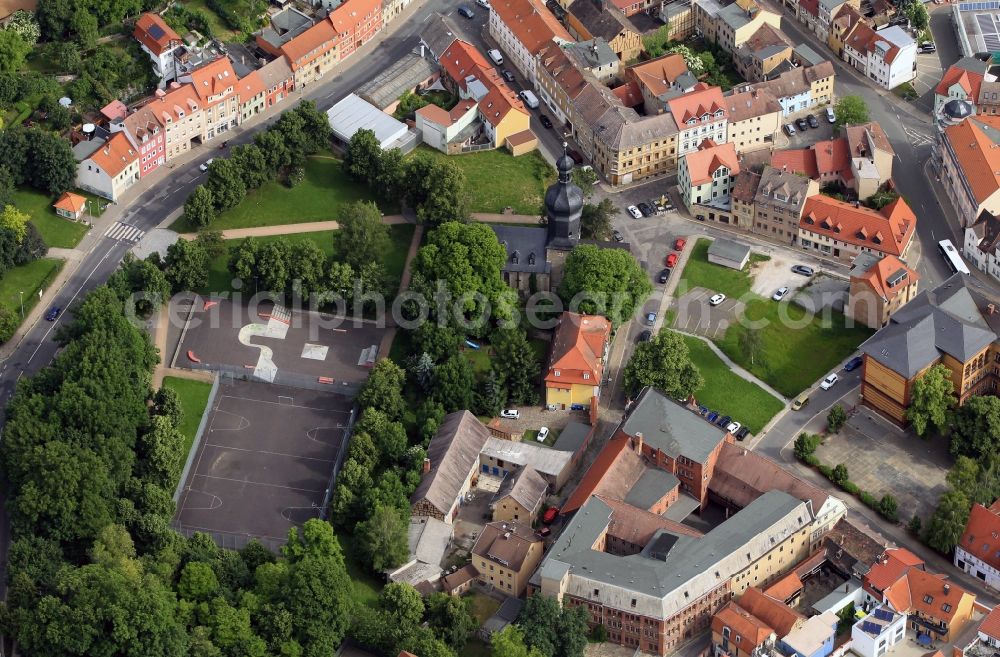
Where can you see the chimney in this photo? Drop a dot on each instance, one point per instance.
(637, 442)
(427, 466)
(947, 587)
(992, 308)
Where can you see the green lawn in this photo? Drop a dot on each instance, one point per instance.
(496, 179)
(217, 25)
(29, 279)
(364, 586)
(194, 397)
(318, 198)
(531, 436)
(400, 236)
(699, 272)
(483, 606)
(729, 394)
(795, 356)
(55, 230)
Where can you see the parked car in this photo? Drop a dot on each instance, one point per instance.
(780, 293)
(495, 55)
(543, 433)
(712, 416)
(831, 116)
(53, 314)
(544, 120)
(650, 318)
(801, 124)
(723, 421)
(545, 532)
(742, 433)
(800, 401)
(928, 46)
(853, 364)
(646, 209)
(702, 410)
(672, 260)
(803, 270)
(510, 414)
(734, 427)
(829, 381)
(550, 515)
(204, 167)
(679, 244)
(507, 75)
(716, 299)
(465, 11)
(645, 336)
(811, 120)
(485, 4)
(577, 407)
(789, 129)
(664, 275)
(617, 236)
(634, 211)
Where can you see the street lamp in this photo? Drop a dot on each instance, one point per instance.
(22, 304)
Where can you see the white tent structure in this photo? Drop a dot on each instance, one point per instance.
(354, 113)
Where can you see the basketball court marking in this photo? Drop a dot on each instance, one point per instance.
(270, 453)
(285, 512)
(244, 422)
(259, 483)
(212, 507)
(311, 435)
(267, 401)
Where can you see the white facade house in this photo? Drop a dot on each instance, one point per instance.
(982, 248)
(876, 634)
(522, 28)
(699, 115)
(892, 60)
(977, 551)
(438, 127)
(111, 169)
(708, 175)
(160, 42)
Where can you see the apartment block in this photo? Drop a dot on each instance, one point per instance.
(880, 285)
(844, 230)
(967, 159)
(778, 204)
(522, 28)
(707, 175)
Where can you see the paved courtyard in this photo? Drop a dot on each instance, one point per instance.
(881, 460)
(695, 315)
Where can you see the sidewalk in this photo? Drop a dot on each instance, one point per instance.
(404, 284)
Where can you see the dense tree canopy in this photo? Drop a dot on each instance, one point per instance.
(554, 630)
(435, 189)
(976, 431)
(664, 363)
(931, 400)
(850, 110)
(606, 282)
(361, 237)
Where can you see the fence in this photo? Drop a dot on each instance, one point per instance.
(230, 373)
(197, 439)
(229, 540)
(339, 462)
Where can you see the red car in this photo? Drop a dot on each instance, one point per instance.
(550, 515)
(671, 260)
(679, 244)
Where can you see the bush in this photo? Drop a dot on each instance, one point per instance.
(868, 499)
(849, 487)
(806, 444)
(888, 508)
(915, 525)
(836, 418)
(825, 470)
(840, 474)
(296, 175)
(812, 460)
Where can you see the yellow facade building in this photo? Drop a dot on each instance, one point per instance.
(576, 365)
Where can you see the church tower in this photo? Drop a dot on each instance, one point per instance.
(563, 206)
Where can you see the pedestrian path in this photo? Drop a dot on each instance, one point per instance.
(124, 232)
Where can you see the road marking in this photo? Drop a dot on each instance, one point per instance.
(125, 232)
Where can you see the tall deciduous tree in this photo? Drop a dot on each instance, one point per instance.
(453, 384)
(13, 51)
(606, 282)
(946, 525)
(186, 265)
(384, 389)
(435, 189)
(977, 428)
(509, 642)
(515, 364)
(931, 400)
(225, 181)
(850, 110)
(383, 539)
(664, 363)
(361, 236)
(199, 207)
(595, 222)
(554, 630)
(362, 159)
(451, 618)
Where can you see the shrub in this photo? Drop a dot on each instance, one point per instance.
(849, 487)
(888, 508)
(868, 499)
(295, 176)
(825, 470)
(836, 418)
(840, 474)
(806, 444)
(915, 525)
(812, 459)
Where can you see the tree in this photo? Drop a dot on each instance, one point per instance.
(273, 265)
(490, 396)
(167, 403)
(691, 59)
(24, 23)
(57, 117)
(917, 13)
(13, 51)
(306, 268)
(655, 44)
(836, 418)
(805, 445)
(554, 630)
(390, 174)
(509, 642)
(225, 181)
(453, 384)
(382, 539)
(161, 452)
(751, 344)
(595, 221)
(384, 389)
(976, 431)
(931, 400)
(515, 365)
(199, 208)
(83, 25)
(608, 282)
(888, 508)
(197, 582)
(50, 165)
(946, 525)
(585, 179)
(840, 474)
(361, 161)
(243, 260)
(9, 321)
(435, 188)
(250, 159)
(6, 187)
(361, 235)
(665, 364)
(451, 619)
(186, 265)
(850, 110)
(15, 221)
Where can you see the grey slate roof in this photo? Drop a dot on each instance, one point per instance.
(728, 249)
(950, 319)
(403, 75)
(670, 427)
(735, 16)
(526, 487)
(862, 263)
(439, 33)
(521, 242)
(572, 437)
(686, 568)
(599, 23)
(651, 486)
(454, 453)
(593, 53)
(808, 56)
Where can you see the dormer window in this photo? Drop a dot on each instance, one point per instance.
(692, 121)
(705, 117)
(780, 197)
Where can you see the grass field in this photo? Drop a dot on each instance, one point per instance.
(365, 587)
(218, 26)
(797, 350)
(400, 236)
(29, 279)
(483, 606)
(497, 179)
(699, 272)
(194, 397)
(319, 197)
(55, 230)
(729, 394)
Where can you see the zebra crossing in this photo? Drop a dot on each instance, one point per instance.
(120, 231)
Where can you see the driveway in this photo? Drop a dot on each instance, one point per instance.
(695, 315)
(771, 274)
(929, 72)
(823, 292)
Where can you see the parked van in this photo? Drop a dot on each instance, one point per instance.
(495, 56)
(800, 401)
(529, 99)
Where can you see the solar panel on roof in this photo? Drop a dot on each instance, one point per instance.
(883, 614)
(156, 32)
(871, 628)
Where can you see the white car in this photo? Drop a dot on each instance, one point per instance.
(204, 167)
(829, 382)
(543, 433)
(716, 299)
(780, 294)
(831, 117)
(733, 427)
(485, 4)
(510, 414)
(634, 211)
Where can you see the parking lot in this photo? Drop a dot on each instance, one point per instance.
(696, 315)
(277, 344)
(264, 461)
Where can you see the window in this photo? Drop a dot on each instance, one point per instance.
(946, 607)
(928, 599)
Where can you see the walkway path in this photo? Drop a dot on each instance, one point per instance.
(736, 369)
(404, 284)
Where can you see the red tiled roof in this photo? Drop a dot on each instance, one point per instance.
(70, 202)
(116, 109)
(250, 87)
(629, 93)
(709, 158)
(637, 526)
(926, 586)
(350, 17)
(893, 564)
(747, 631)
(597, 471)
(773, 612)
(982, 535)
(578, 349)
(463, 59)
(821, 160)
(970, 81)
(530, 21)
(154, 34)
(214, 79)
(888, 231)
(973, 142)
(500, 101)
(658, 74)
(785, 588)
(991, 624)
(811, 7)
(878, 276)
(115, 155)
(315, 41)
(696, 104)
(796, 160)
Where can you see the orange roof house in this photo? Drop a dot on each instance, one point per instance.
(70, 205)
(893, 564)
(658, 76)
(972, 158)
(154, 34)
(746, 632)
(823, 161)
(703, 163)
(462, 59)
(702, 104)
(944, 607)
(968, 81)
(576, 364)
(879, 286)
(854, 228)
(878, 276)
(980, 543)
(772, 611)
(213, 81)
(310, 45)
(531, 23)
(115, 156)
(991, 624)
